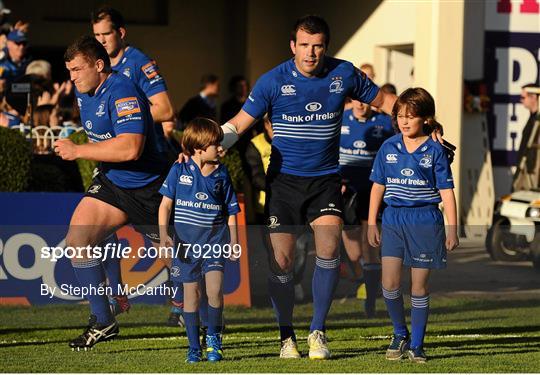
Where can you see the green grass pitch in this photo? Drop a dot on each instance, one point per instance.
(464, 335)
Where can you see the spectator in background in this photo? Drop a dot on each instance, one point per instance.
(203, 104)
(529, 98)
(368, 69)
(40, 68)
(13, 63)
(389, 88)
(239, 89)
(43, 114)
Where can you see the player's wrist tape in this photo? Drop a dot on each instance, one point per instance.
(230, 135)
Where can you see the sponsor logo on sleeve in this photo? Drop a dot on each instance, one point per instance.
(150, 70)
(127, 106)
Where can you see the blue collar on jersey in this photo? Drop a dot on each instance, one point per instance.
(418, 149)
(191, 163)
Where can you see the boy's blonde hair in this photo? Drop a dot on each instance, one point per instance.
(199, 134)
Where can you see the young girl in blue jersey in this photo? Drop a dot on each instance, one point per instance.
(201, 192)
(411, 173)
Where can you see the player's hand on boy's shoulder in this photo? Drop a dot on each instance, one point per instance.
(182, 158)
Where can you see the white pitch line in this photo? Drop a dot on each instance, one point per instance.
(234, 337)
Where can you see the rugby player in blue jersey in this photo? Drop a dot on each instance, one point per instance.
(411, 173)
(116, 116)
(109, 28)
(204, 202)
(362, 133)
(304, 97)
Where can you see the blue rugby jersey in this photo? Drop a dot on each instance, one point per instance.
(118, 107)
(202, 204)
(360, 142)
(306, 113)
(412, 179)
(142, 70)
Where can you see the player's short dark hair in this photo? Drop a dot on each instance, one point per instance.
(389, 88)
(89, 48)
(312, 25)
(111, 14)
(418, 103)
(207, 79)
(200, 133)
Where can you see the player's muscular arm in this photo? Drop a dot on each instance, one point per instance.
(123, 147)
(449, 203)
(235, 127)
(162, 109)
(375, 199)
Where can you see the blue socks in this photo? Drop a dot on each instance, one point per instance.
(215, 320)
(112, 265)
(90, 274)
(281, 291)
(396, 310)
(325, 279)
(372, 276)
(419, 317)
(192, 329)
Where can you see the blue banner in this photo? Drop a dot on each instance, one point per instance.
(32, 223)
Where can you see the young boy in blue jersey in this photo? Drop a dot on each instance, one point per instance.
(411, 173)
(362, 133)
(204, 201)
